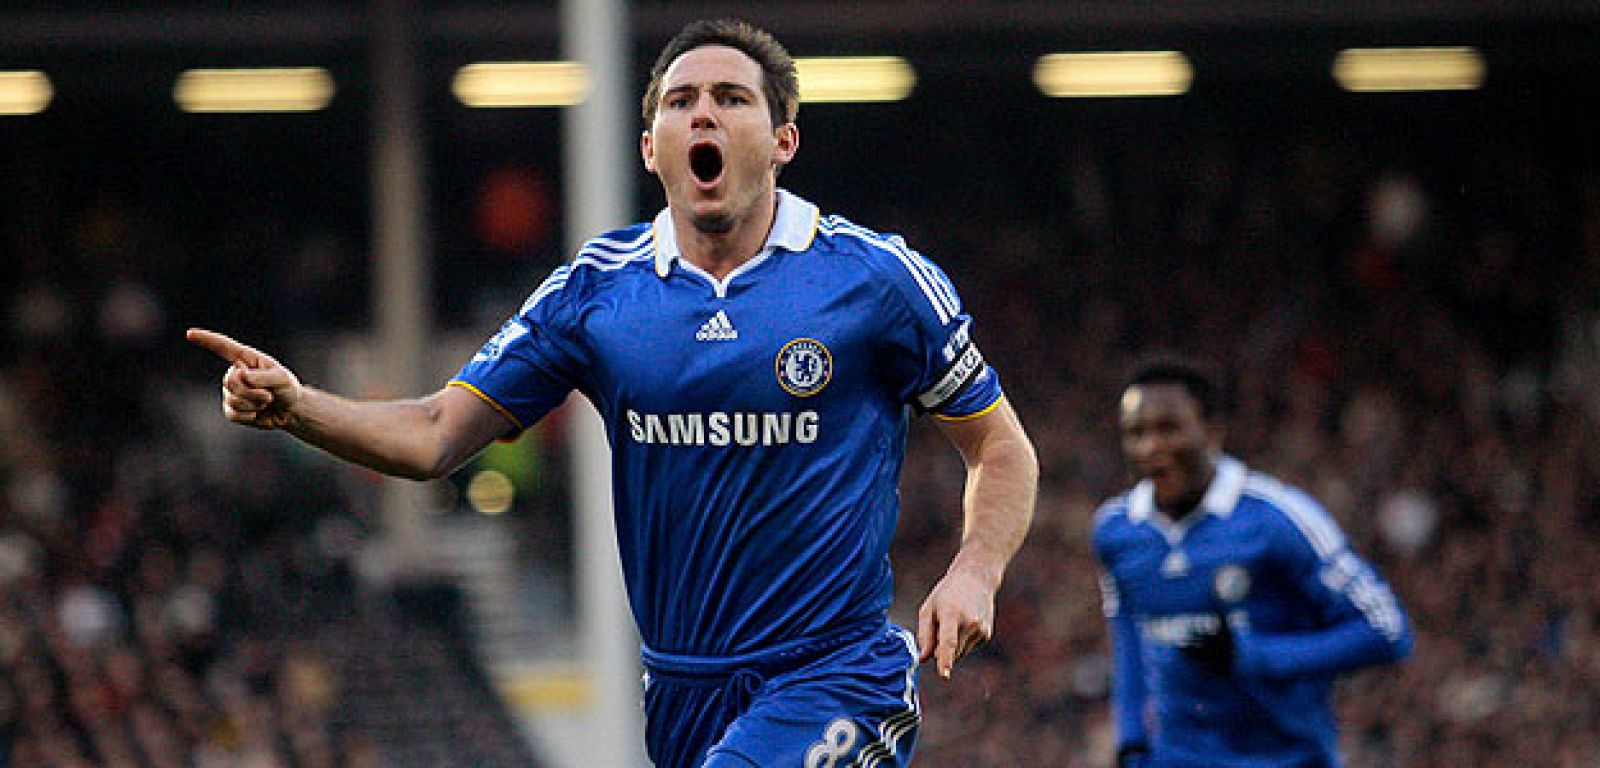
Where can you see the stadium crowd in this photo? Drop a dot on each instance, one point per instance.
(175, 592)
(1411, 326)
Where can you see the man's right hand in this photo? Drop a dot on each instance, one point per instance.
(257, 390)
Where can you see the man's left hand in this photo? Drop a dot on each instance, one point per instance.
(957, 617)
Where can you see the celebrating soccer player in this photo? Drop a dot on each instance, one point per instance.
(755, 363)
(1233, 600)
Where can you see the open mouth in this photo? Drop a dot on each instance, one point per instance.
(705, 162)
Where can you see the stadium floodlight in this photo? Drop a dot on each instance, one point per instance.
(279, 89)
(521, 84)
(825, 79)
(1378, 70)
(25, 92)
(1113, 74)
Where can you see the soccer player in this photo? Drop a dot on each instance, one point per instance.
(1233, 600)
(755, 363)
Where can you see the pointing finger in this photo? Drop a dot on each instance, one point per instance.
(222, 346)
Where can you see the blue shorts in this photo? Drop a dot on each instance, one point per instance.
(848, 698)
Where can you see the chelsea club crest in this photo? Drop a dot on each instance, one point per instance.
(1232, 584)
(804, 367)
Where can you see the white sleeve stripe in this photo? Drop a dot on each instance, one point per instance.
(920, 264)
(1378, 605)
(595, 251)
(551, 284)
(1314, 524)
(620, 246)
(934, 297)
(585, 258)
(940, 284)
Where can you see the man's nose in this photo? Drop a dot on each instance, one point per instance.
(704, 115)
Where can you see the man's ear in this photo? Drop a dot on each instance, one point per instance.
(787, 144)
(647, 150)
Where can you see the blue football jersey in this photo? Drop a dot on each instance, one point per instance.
(1302, 607)
(757, 423)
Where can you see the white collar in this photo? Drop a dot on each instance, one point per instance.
(793, 228)
(1227, 484)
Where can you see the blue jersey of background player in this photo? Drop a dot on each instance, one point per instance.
(1233, 600)
(754, 363)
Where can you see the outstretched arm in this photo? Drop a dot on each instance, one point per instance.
(1002, 481)
(1365, 623)
(419, 438)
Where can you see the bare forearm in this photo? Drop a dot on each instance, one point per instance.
(395, 437)
(419, 439)
(1001, 488)
(1002, 478)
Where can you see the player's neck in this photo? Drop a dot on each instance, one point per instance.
(719, 253)
(1190, 503)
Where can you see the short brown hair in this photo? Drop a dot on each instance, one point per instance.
(779, 83)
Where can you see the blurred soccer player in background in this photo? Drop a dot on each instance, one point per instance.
(1233, 600)
(755, 363)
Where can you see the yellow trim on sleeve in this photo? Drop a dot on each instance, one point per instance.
(487, 399)
(971, 416)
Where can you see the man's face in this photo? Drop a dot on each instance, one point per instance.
(1166, 440)
(712, 141)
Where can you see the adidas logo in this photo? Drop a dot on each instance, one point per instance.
(718, 328)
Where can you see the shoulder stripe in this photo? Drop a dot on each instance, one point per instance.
(610, 243)
(550, 285)
(935, 277)
(933, 289)
(602, 251)
(1313, 522)
(602, 260)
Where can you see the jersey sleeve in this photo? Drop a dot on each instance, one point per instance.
(1361, 622)
(530, 365)
(933, 361)
(1128, 694)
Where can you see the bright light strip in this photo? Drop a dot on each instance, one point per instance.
(825, 79)
(25, 93)
(521, 84)
(1121, 73)
(287, 89)
(1379, 70)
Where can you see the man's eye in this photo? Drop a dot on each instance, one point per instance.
(735, 100)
